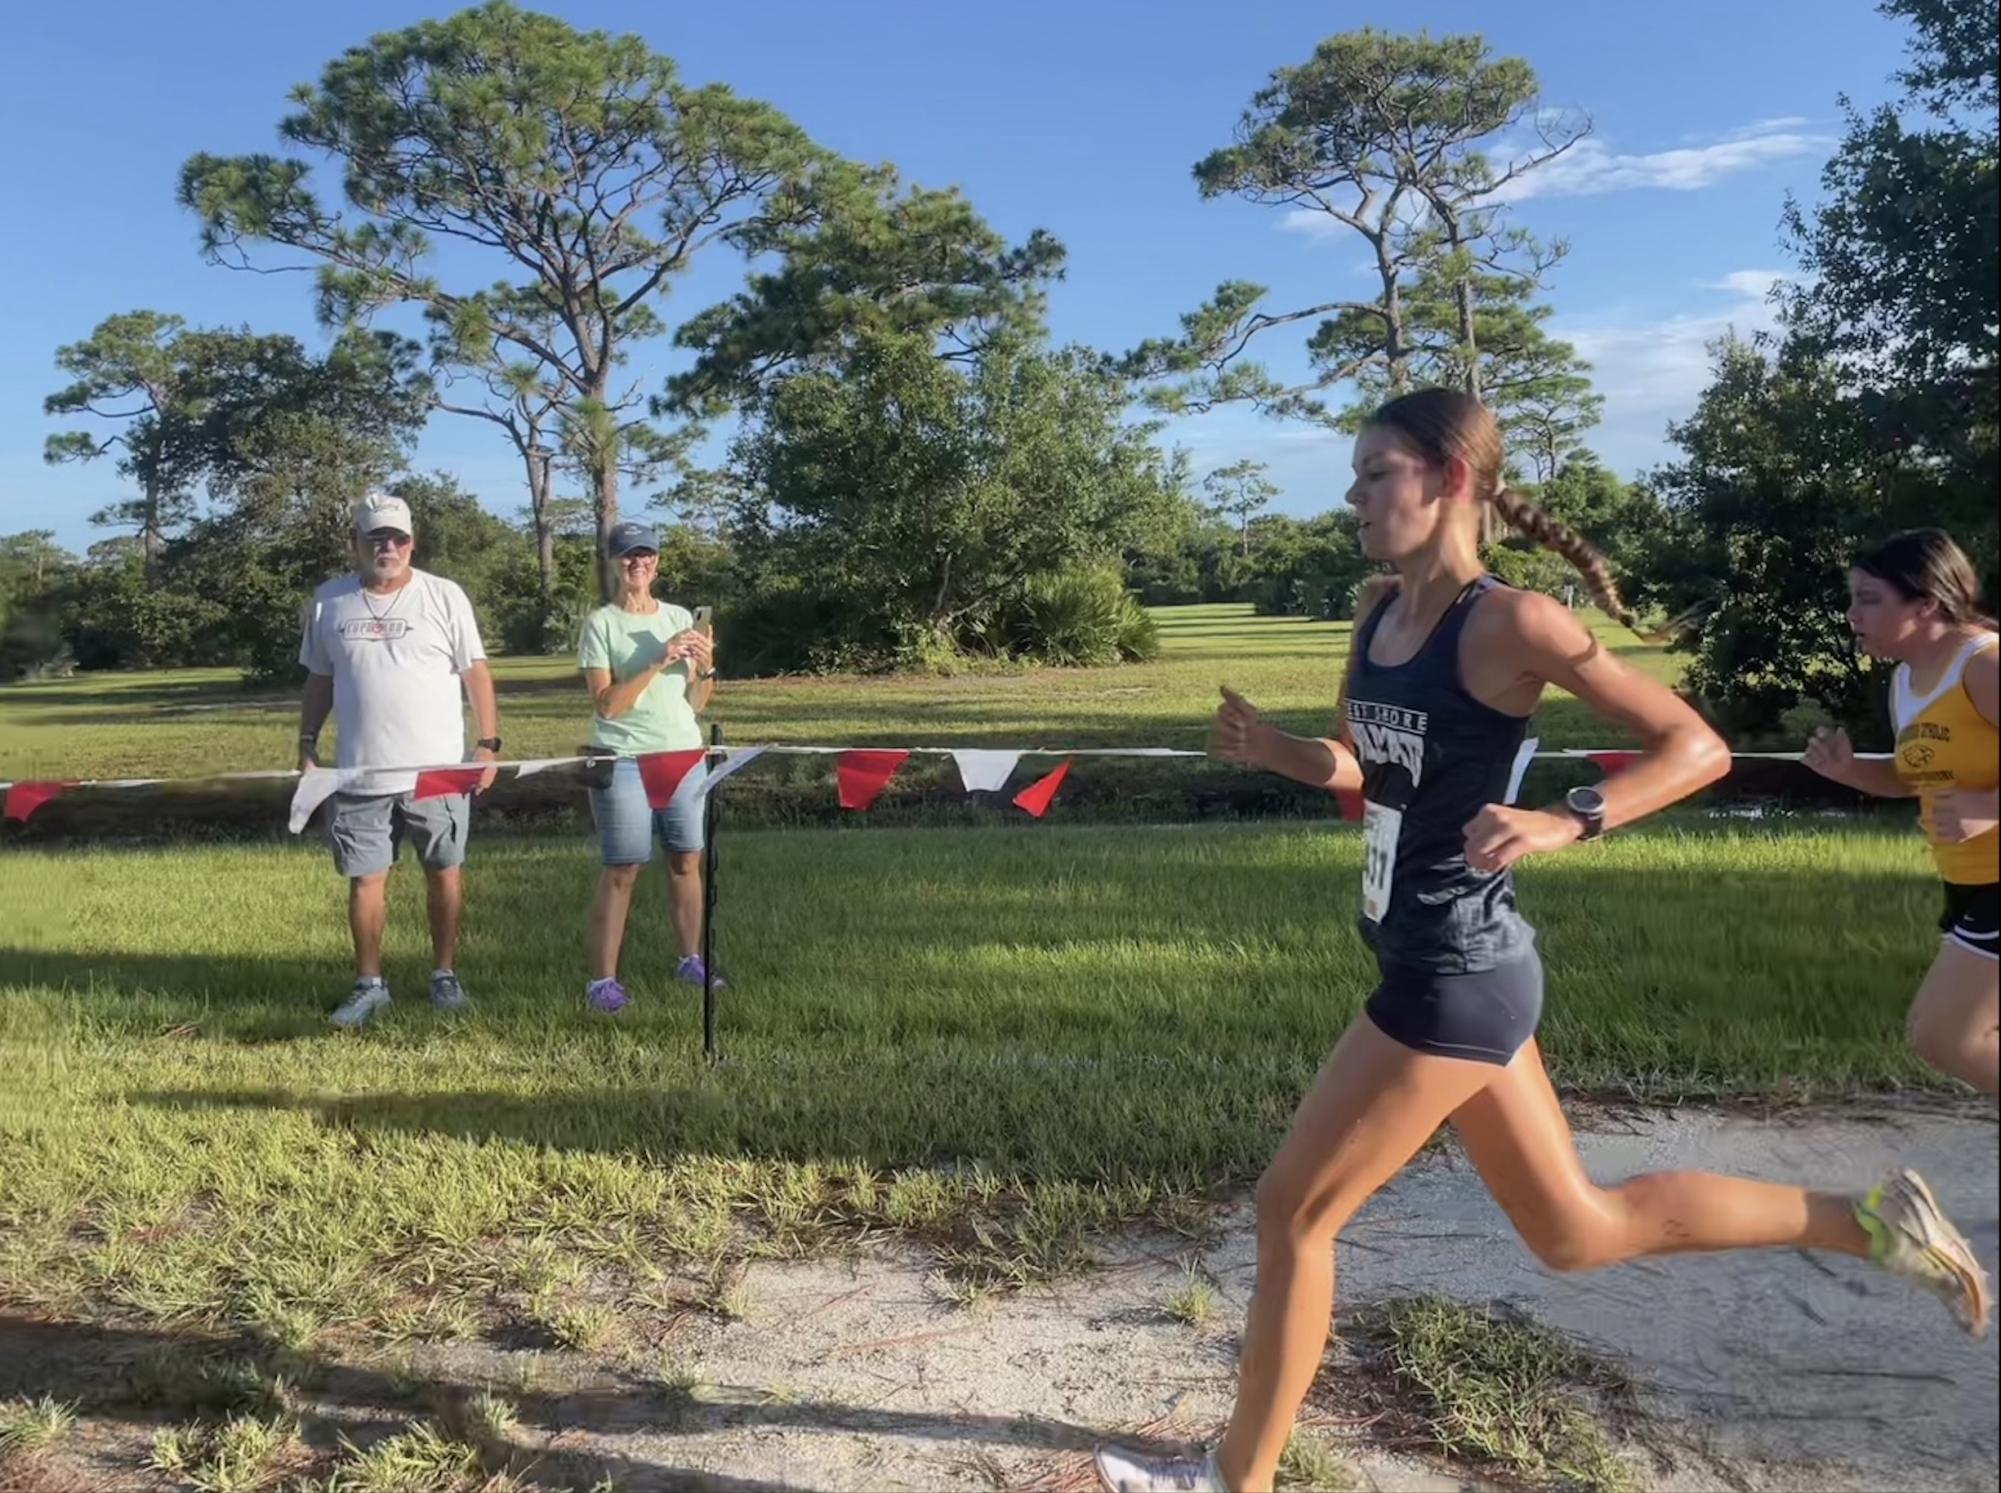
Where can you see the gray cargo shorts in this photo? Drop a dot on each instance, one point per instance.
(366, 833)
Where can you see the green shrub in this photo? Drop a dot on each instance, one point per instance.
(1139, 634)
(1083, 617)
(789, 628)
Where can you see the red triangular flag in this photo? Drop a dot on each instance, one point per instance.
(662, 773)
(1613, 762)
(1350, 804)
(1036, 796)
(440, 782)
(864, 773)
(24, 798)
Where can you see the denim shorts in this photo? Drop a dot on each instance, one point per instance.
(367, 833)
(628, 825)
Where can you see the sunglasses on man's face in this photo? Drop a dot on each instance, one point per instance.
(388, 539)
(637, 557)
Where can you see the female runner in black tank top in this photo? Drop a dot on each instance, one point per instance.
(1446, 668)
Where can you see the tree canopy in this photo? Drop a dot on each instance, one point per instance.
(1388, 137)
(577, 166)
(497, 207)
(1874, 409)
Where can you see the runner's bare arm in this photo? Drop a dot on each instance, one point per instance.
(1329, 762)
(1875, 777)
(1680, 753)
(1318, 762)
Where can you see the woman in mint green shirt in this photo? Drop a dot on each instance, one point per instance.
(647, 667)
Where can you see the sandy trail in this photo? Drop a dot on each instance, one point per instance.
(1767, 1370)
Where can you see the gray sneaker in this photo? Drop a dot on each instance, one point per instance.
(1123, 1472)
(1909, 1235)
(368, 996)
(447, 994)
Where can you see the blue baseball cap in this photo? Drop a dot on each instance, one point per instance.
(627, 537)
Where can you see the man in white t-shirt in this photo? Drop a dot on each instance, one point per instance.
(395, 653)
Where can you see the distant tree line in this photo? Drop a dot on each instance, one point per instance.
(919, 474)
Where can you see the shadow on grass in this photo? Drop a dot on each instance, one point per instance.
(568, 686)
(527, 905)
(155, 1379)
(244, 1000)
(1058, 1075)
(262, 713)
(104, 699)
(1008, 1129)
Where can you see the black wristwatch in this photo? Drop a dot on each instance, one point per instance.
(1587, 807)
(491, 743)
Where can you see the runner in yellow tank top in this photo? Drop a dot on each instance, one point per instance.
(1945, 748)
(1915, 599)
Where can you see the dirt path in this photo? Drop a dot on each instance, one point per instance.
(1767, 1371)
(1755, 1371)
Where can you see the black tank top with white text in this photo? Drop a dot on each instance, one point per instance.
(1432, 758)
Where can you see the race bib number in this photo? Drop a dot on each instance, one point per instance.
(1380, 828)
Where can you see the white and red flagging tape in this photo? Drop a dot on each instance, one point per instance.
(861, 773)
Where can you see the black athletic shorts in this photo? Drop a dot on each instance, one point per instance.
(1972, 917)
(1485, 1017)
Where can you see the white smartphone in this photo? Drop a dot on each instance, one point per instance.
(702, 616)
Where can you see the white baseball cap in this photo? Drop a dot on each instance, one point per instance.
(381, 510)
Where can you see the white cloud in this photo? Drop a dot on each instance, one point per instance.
(1775, 125)
(1592, 167)
(1751, 284)
(1651, 371)
(1315, 224)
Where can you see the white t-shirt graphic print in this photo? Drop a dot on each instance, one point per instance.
(397, 663)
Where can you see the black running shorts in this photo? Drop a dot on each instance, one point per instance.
(1972, 917)
(1485, 1017)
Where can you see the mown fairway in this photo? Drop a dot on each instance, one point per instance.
(1001, 1041)
(202, 721)
(1000, 1038)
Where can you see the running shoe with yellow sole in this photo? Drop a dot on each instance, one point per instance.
(1909, 1235)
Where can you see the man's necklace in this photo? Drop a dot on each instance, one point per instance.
(383, 615)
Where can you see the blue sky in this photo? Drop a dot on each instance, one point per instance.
(1079, 117)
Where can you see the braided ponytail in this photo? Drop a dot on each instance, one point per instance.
(1440, 424)
(1525, 517)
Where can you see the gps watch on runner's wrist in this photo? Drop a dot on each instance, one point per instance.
(1587, 806)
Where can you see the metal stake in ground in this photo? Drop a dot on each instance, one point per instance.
(709, 818)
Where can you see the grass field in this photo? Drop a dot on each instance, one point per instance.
(1002, 1041)
(195, 722)
(999, 1042)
